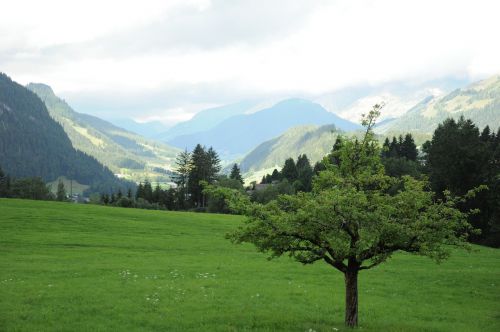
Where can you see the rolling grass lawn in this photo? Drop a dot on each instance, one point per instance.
(66, 267)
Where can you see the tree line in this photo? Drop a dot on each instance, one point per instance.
(194, 170)
(29, 188)
(458, 158)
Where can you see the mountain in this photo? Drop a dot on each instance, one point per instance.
(479, 102)
(314, 141)
(240, 133)
(398, 97)
(33, 144)
(125, 153)
(205, 120)
(148, 129)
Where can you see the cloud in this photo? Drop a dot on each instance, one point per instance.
(167, 59)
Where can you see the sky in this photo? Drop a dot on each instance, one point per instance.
(166, 60)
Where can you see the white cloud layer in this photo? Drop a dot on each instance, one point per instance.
(167, 59)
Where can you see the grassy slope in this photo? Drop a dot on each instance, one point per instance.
(92, 268)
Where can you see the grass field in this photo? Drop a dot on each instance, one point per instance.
(67, 267)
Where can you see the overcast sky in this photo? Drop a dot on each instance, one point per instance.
(168, 59)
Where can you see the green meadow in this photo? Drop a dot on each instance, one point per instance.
(68, 267)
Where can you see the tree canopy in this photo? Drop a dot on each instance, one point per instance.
(351, 219)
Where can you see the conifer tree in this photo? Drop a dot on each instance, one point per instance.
(235, 174)
(304, 173)
(61, 192)
(289, 170)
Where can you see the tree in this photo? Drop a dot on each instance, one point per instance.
(408, 149)
(61, 192)
(236, 174)
(183, 169)
(4, 184)
(459, 158)
(289, 170)
(205, 165)
(148, 191)
(350, 221)
(304, 173)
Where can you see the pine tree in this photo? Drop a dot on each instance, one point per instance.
(386, 148)
(318, 167)
(235, 174)
(304, 173)
(148, 191)
(140, 191)
(4, 184)
(61, 192)
(157, 194)
(408, 148)
(197, 173)
(213, 167)
(276, 175)
(183, 168)
(289, 170)
(394, 148)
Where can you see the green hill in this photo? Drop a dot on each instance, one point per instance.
(33, 144)
(314, 141)
(71, 267)
(479, 101)
(124, 152)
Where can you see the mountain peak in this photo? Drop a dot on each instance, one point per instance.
(41, 88)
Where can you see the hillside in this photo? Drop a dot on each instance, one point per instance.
(33, 144)
(314, 141)
(124, 152)
(479, 101)
(73, 267)
(239, 134)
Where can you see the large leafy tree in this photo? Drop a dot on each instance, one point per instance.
(352, 220)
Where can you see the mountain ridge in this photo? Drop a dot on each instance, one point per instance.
(124, 152)
(241, 133)
(33, 144)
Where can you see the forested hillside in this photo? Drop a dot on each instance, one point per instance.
(33, 144)
(314, 141)
(479, 102)
(122, 151)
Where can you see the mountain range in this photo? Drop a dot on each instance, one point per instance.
(261, 136)
(479, 101)
(238, 134)
(125, 153)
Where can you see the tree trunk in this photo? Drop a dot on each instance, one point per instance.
(351, 297)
